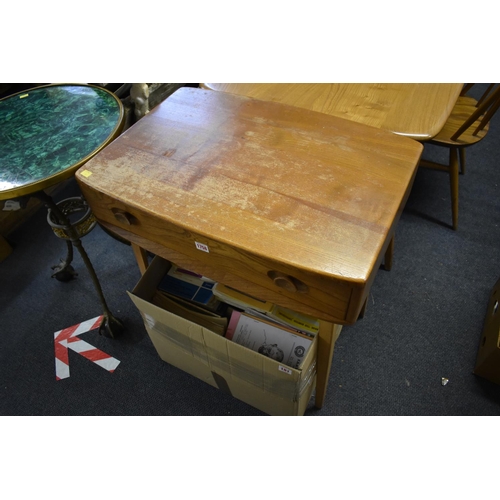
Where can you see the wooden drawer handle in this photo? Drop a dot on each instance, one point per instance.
(123, 217)
(288, 283)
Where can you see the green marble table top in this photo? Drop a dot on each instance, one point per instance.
(48, 132)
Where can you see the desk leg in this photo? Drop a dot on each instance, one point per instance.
(388, 255)
(363, 309)
(141, 256)
(327, 336)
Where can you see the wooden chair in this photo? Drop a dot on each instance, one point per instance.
(467, 124)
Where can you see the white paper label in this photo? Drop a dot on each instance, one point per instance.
(11, 205)
(202, 247)
(285, 370)
(150, 321)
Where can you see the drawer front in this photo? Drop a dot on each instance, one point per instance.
(323, 297)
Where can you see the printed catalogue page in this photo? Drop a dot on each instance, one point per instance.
(270, 340)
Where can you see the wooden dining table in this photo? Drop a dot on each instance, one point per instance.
(289, 205)
(415, 110)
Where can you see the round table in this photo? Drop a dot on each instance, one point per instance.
(46, 134)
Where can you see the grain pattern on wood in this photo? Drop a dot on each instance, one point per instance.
(329, 307)
(416, 110)
(464, 108)
(264, 187)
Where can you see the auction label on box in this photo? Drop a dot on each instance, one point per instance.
(284, 369)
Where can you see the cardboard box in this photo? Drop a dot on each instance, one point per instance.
(488, 356)
(262, 382)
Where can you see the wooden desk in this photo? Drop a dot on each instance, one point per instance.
(294, 207)
(416, 110)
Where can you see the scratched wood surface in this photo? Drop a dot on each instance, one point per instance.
(416, 110)
(299, 203)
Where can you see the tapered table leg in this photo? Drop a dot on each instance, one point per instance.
(454, 185)
(389, 253)
(327, 336)
(141, 256)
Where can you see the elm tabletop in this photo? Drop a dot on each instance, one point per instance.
(292, 206)
(416, 110)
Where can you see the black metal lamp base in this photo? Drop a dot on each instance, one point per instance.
(59, 218)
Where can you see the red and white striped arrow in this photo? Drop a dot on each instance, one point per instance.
(68, 339)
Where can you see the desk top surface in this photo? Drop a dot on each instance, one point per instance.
(48, 132)
(303, 188)
(416, 110)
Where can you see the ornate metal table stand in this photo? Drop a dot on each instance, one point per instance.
(59, 217)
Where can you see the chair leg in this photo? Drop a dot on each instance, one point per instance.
(462, 160)
(454, 185)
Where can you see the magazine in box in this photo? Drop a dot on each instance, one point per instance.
(271, 340)
(263, 309)
(302, 322)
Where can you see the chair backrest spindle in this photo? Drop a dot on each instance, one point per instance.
(487, 117)
(489, 105)
(466, 88)
(486, 92)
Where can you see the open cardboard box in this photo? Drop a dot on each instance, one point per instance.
(260, 381)
(488, 355)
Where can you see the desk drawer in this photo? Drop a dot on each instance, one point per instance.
(321, 296)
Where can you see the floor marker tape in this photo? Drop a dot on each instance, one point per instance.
(68, 339)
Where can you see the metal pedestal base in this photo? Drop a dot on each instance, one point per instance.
(59, 217)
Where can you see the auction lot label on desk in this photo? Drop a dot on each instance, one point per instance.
(202, 247)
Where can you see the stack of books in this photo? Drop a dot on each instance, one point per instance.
(266, 310)
(190, 286)
(276, 332)
(189, 295)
